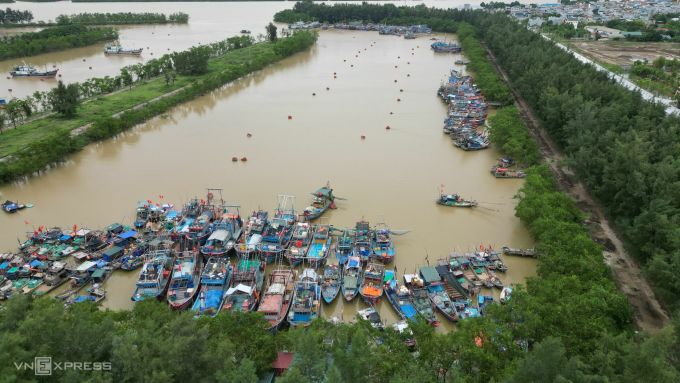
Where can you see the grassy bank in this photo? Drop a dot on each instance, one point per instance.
(32, 146)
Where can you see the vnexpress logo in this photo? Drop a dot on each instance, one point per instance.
(42, 365)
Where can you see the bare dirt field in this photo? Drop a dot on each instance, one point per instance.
(625, 53)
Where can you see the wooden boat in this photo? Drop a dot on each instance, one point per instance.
(142, 215)
(215, 279)
(445, 47)
(115, 49)
(320, 246)
(330, 286)
(344, 247)
(277, 234)
(383, 247)
(55, 276)
(352, 278)
(306, 304)
(399, 297)
(252, 237)
(247, 282)
(502, 172)
(421, 300)
(95, 294)
(437, 293)
(200, 229)
(275, 302)
(227, 232)
(12, 207)
(323, 200)
(455, 200)
(362, 241)
(154, 278)
(506, 294)
(29, 71)
(372, 316)
(299, 243)
(185, 280)
(372, 287)
(520, 252)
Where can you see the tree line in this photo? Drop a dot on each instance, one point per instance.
(11, 16)
(53, 39)
(123, 18)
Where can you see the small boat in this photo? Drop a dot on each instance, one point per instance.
(247, 282)
(245, 31)
(94, 294)
(226, 234)
(306, 304)
(141, 215)
(55, 276)
(520, 252)
(455, 200)
(299, 243)
(252, 237)
(215, 279)
(502, 172)
(383, 247)
(115, 49)
(29, 71)
(437, 292)
(442, 46)
(372, 316)
(421, 300)
(330, 286)
(372, 287)
(320, 246)
(344, 247)
(12, 207)
(506, 294)
(399, 297)
(362, 241)
(155, 276)
(352, 278)
(461, 62)
(275, 302)
(410, 36)
(277, 234)
(323, 200)
(185, 280)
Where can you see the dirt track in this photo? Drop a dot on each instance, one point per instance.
(648, 312)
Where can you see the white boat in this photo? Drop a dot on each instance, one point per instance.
(118, 50)
(506, 293)
(29, 71)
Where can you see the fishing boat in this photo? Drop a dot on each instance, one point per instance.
(503, 172)
(115, 49)
(141, 215)
(410, 36)
(29, 71)
(383, 247)
(362, 241)
(55, 276)
(506, 294)
(299, 243)
(12, 207)
(247, 282)
(455, 200)
(252, 237)
(245, 31)
(323, 200)
(215, 279)
(155, 276)
(275, 302)
(371, 315)
(344, 247)
(277, 234)
(352, 278)
(330, 286)
(95, 294)
(399, 297)
(185, 281)
(519, 252)
(320, 246)
(372, 286)
(421, 299)
(201, 228)
(227, 232)
(445, 47)
(131, 262)
(437, 293)
(306, 304)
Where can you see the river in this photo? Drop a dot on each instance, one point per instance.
(391, 176)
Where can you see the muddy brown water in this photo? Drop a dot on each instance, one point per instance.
(391, 176)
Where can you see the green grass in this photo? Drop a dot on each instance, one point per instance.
(16, 139)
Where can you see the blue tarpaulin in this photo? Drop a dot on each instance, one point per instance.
(409, 311)
(4, 265)
(36, 263)
(65, 238)
(127, 234)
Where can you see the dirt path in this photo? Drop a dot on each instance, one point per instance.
(648, 312)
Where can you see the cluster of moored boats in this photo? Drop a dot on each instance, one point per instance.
(467, 112)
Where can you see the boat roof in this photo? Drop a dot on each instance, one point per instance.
(409, 311)
(353, 262)
(219, 235)
(430, 274)
(323, 192)
(309, 274)
(409, 277)
(389, 275)
(271, 303)
(240, 287)
(113, 250)
(127, 234)
(82, 232)
(98, 273)
(87, 265)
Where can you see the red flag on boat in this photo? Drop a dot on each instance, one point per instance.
(160, 196)
(25, 222)
(75, 227)
(149, 201)
(40, 229)
(481, 247)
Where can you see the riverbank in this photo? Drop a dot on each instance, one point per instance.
(31, 147)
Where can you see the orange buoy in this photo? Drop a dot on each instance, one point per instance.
(249, 135)
(356, 55)
(408, 63)
(398, 57)
(363, 137)
(234, 159)
(59, 75)
(244, 159)
(344, 61)
(290, 117)
(408, 75)
(395, 66)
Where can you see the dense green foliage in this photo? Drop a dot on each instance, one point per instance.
(64, 99)
(660, 76)
(122, 18)
(565, 31)
(511, 137)
(499, 4)
(53, 39)
(271, 32)
(11, 16)
(192, 61)
(664, 26)
(53, 147)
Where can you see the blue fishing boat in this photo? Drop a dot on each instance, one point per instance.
(305, 306)
(436, 291)
(277, 234)
(299, 243)
(442, 46)
(323, 200)
(11, 207)
(155, 276)
(320, 246)
(352, 278)
(383, 247)
(372, 286)
(215, 279)
(252, 237)
(344, 247)
(185, 280)
(362, 241)
(330, 285)
(201, 228)
(399, 297)
(227, 232)
(247, 282)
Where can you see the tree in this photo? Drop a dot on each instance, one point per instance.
(126, 77)
(271, 32)
(14, 110)
(64, 99)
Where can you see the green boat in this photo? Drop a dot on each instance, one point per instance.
(454, 200)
